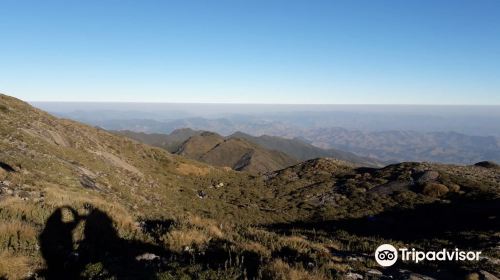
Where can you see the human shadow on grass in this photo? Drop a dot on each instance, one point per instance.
(103, 254)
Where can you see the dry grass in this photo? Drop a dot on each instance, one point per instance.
(256, 248)
(57, 197)
(180, 240)
(12, 208)
(280, 270)
(16, 235)
(302, 245)
(13, 267)
(193, 232)
(208, 225)
(191, 169)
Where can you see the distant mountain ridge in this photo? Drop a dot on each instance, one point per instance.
(198, 143)
(212, 148)
(304, 151)
(386, 144)
(396, 146)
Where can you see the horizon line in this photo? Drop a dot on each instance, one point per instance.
(263, 103)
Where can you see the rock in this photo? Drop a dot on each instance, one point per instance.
(495, 261)
(488, 276)
(87, 182)
(188, 249)
(202, 194)
(454, 188)
(22, 194)
(409, 275)
(435, 189)
(487, 164)
(416, 276)
(147, 257)
(391, 187)
(374, 272)
(7, 191)
(219, 185)
(353, 276)
(427, 176)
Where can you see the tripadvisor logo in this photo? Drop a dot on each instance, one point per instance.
(387, 255)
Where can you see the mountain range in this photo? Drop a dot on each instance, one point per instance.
(386, 145)
(394, 146)
(242, 151)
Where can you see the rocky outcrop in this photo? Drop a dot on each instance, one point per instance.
(487, 164)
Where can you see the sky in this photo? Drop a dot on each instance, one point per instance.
(252, 51)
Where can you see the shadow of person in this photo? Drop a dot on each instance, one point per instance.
(100, 237)
(118, 256)
(101, 254)
(56, 244)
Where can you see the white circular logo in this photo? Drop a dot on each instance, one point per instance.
(386, 255)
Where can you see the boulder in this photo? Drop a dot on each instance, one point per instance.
(147, 257)
(435, 189)
(427, 176)
(87, 182)
(202, 194)
(6, 183)
(487, 164)
(353, 276)
(373, 273)
(391, 187)
(454, 187)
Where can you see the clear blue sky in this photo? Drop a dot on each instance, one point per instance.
(255, 51)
